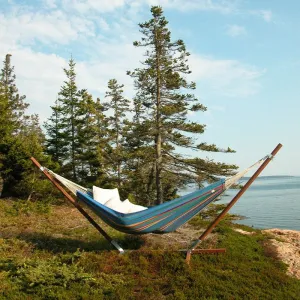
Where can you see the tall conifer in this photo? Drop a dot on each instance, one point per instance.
(13, 103)
(20, 136)
(119, 106)
(162, 89)
(56, 144)
(91, 137)
(140, 162)
(69, 103)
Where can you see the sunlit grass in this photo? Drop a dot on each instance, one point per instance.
(55, 253)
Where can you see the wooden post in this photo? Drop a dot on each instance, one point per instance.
(231, 203)
(73, 201)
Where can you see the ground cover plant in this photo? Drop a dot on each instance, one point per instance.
(54, 253)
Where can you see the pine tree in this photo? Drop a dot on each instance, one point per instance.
(103, 161)
(12, 103)
(140, 164)
(20, 137)
(162, 90)
(91, 137)
(56, 145)
(29, 182)
(69, 105)
(12, 120)
(76, 132)
(116, 124)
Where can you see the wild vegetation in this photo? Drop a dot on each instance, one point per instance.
(55, 253)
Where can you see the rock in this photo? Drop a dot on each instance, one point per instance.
(287, 246)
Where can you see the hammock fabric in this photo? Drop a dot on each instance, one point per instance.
(162, 218)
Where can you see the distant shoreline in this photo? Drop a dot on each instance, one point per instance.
(272, 177)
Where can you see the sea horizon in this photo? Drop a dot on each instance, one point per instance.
(272, 201)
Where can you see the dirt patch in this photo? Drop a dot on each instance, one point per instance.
(286, 243)
(243, 231)
(180, 239)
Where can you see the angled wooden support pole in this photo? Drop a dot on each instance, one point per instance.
(73, 201)
(192, 249)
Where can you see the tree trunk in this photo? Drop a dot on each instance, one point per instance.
(149, 184)
(73, 143)
(118, 150)
(158, 140)
(159, 192)
(1, 186)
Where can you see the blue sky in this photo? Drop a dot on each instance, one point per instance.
(245, 60)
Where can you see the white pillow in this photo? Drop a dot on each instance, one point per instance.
(103, 195)
(115, 204)
(124, 207)
(130, 207)
(135, 208)
(111, 199)
(126, 204)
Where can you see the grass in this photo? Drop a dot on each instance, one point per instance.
(53, 253)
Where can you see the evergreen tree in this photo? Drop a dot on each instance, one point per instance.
(140, 164)
(69, 108)
(28, 180)
(13, 105)
(76, 132)
(91, 137)
(116, 124)
(56, 145)
(12, 118)
(103, 160)
(20, 138)
(161, 89)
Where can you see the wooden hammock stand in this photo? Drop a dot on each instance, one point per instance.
(192, 249)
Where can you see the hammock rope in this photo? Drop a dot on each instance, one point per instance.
(235, 178)
(74, 187)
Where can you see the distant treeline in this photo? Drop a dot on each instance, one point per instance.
(134, 144)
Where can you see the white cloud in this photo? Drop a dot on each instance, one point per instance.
(55, 26)
(101, 6)
(103, 24)
(39, 77)
(266, 15)
(229, 78)
(102, 54)
(236, 30)
(222, 6)
(50, 3)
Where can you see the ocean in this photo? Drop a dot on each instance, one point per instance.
(270, 202)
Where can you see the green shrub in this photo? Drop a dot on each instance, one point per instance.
(26, 207)
(43, 275)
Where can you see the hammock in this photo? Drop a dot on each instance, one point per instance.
(163, 218)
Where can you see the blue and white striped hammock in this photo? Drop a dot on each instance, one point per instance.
(162, 218)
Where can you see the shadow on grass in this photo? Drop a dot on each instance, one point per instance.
(64, 244)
